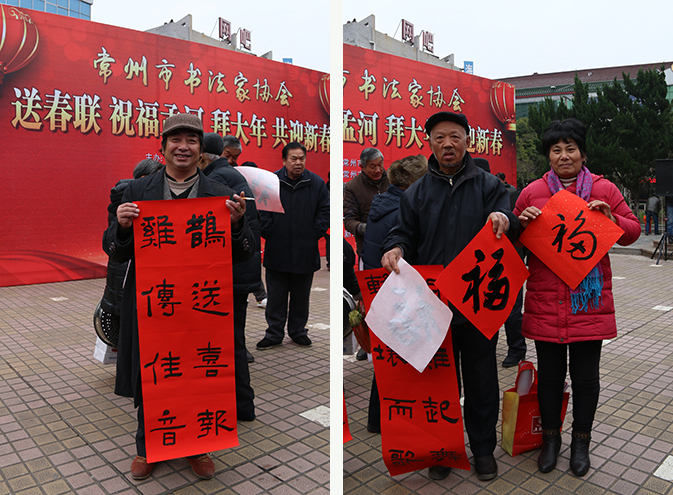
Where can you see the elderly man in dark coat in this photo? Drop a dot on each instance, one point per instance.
(182, 143)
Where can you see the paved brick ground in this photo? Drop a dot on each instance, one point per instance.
(63, 431)
(633, 431)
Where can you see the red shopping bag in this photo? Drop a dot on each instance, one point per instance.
(521, 422)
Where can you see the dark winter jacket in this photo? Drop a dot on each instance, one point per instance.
(121, 249)
(292, 237)
(248, 274)
(437, 220)
(382, 218)
(114, 283)
(358, 195)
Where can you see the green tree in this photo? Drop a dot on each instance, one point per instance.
(629, 126)
(530, 164)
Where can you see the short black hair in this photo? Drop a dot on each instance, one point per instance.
(500, 176)
(565, 130)
(146, 167)
(294, 145)
(164, 139)
(232, 142)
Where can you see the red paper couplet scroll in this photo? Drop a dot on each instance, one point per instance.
(347, 431)
(421, 417)
(482, 282)
(570, 238)
(185, 325)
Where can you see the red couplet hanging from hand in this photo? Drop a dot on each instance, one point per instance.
(347, 431)
(570, 238)
(185, 326)
(482, 282)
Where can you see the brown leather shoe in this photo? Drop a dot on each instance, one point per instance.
(202, 466)
(140, 469)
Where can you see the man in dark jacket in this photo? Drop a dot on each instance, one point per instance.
(291, 253)
(246, 275)
(439, 215)
(182, 142)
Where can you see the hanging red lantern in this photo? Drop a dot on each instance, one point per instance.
(18, 42)
(502, 103)
(323, 90)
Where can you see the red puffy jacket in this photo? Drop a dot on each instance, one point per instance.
(547, 314)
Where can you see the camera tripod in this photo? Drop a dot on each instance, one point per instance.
(662, 247)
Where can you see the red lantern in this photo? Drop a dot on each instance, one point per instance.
(19, 41)
(502, 103)
(324, 92)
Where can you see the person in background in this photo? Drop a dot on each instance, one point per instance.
(359, 192)
(652, 213)
(570, 322)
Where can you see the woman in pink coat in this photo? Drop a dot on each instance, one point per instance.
(559, 319)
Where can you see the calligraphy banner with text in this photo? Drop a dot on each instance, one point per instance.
(91, 103)
(421, 418)
(483, 281)
(570, 238)
(185, 325)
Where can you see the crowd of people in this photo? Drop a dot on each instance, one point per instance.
(429, 218)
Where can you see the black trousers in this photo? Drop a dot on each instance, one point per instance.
(474, 356)
(282, 287)
(516, 343)
(584, 373)
(245, 407)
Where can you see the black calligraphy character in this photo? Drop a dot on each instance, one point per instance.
(210, 356)
(169, 436)
(375, 283)
(263, 198)
(562, 231)
(441, 454)
(154, 372)
(475, 280)
(393, 357)
(171, 366)
(399, 408)
(498, 289)
(378, 350)
(444, 406)
(430, 407)
(212, 234)
(148, 232)
(165, 232)
(220, 419)
(400, 457)
(206, 420)
(431, 285)
(195, 227)
(440, 359)
(209, 294)
(579, 245)
(165, 294)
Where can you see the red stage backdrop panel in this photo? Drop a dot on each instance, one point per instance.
(91, 103)
(387, 100)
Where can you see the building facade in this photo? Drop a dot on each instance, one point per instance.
(81, 9)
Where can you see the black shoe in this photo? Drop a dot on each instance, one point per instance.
(438, 472)
(579, 453)
(245, 417)
(249, 357)
(361, 355)
(551, 446)
(266, 343)
(303, 341)
(512, 360)
(486, 467)
(373, 429)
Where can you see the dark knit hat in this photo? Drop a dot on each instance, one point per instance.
(212, 143)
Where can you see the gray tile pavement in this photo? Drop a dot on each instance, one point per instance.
(633, 431)
(63, 431)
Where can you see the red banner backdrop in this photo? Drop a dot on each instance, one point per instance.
(91, 103)
(186, 326)
(387, 100)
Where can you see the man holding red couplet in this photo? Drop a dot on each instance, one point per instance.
(439, 215)
(181, 145)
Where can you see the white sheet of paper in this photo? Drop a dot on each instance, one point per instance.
(408, 317)
(265, 186)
